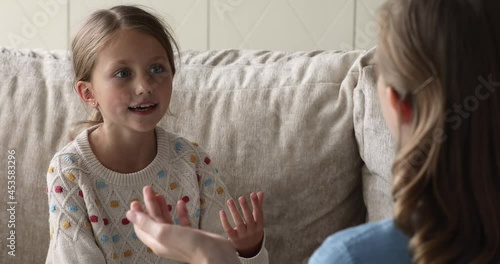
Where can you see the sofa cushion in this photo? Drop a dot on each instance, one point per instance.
(279, 122)
(376, 146)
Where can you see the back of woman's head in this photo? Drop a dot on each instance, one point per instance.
(447, 175)
(101, 27)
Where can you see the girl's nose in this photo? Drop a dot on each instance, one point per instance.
(145, 85)
(145, 89)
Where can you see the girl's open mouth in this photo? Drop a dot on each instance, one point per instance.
(145, 108)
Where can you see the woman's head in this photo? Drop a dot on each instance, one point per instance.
(101, 30)
(439, 64)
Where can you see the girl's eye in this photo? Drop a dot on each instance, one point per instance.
(122, 74)
(157, 69)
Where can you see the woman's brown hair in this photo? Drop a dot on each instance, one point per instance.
(447, 174)
(100, 28)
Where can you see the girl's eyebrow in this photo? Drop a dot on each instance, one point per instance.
(118, 63)
(125, 62)
(159, 58)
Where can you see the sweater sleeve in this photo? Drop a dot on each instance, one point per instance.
(213, 197)
(71, 235)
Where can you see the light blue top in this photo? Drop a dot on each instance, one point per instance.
(380, 242)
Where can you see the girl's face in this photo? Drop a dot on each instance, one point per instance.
(132, 82)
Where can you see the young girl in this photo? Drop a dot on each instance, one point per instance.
(439, 64)
(124, 64)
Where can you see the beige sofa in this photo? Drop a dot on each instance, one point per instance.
(304, 127)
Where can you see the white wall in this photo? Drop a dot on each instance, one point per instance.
(207, 24)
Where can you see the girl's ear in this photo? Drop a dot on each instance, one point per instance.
(399, 105)
(85, 92)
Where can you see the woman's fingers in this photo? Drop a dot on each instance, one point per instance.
(158, 209)
(142, 221)
(157, 236)
(164, 209)
(183, 214)
(152, 206)
(164, 240)
(136, 206)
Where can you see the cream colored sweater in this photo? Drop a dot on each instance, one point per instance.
(88, 202)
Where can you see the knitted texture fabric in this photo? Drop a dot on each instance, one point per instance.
(88, 202)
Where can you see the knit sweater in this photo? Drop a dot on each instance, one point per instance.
(88, 202)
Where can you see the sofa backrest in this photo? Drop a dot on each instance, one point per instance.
(304, 127)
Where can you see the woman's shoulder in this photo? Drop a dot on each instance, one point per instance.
(380, 242)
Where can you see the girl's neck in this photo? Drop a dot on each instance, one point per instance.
(123, 151)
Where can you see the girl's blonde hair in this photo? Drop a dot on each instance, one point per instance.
(447, 175)
(99, 29)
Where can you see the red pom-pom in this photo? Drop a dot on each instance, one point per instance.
(185, 199)
(207, 160)
(58, 189)
(93, 219)
(125, 221)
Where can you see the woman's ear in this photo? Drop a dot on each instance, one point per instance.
(399, 105)
(85, 92)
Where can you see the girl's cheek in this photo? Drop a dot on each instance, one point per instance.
(120, 98)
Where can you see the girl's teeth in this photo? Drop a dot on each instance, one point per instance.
(141, 107)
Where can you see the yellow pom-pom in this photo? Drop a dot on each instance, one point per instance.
(127, 253)
(114, 203)
(71, 176)
(65, 224)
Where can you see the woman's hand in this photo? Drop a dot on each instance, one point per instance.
(156, 230)
(248, 234)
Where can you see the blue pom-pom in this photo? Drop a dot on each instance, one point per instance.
(104, 239)
(178, 146)
(162, 174)
(72, 208)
